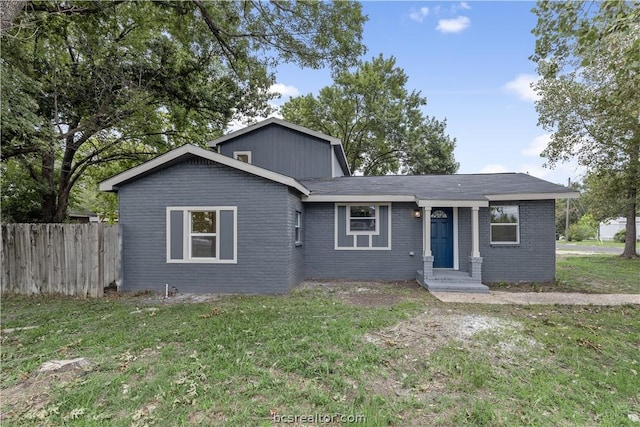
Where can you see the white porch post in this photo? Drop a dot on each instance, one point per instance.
(427, 257)
(475, 260)
(475, 233)
(426, 227)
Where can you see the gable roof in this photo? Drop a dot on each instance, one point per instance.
(177, 155)
(277, 121)
(467, 190)
(336, 144)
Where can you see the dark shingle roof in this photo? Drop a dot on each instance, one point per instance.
(434, 187)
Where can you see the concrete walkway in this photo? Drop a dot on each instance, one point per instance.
(569, 248)
(546, 298)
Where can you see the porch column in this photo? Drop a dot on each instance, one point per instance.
(427, 257)
(475, 260)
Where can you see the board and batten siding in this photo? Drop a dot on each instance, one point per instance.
(263, 210)
(284, 151)
(534, 258)
(323, 261)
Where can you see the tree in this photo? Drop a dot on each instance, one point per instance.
(588, 57)
(379, 122)
(90, 83)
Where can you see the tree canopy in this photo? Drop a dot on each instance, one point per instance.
(588, 57)
(88, 83)
(379, 122)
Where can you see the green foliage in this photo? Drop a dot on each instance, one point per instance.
(87, 83)
(580, 232)
(588, 57)
(620, 236)
(379, 122)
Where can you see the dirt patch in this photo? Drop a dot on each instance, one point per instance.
(29, 398)
(370, 294)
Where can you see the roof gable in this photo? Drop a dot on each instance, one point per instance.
(177, 154)
(335, 143)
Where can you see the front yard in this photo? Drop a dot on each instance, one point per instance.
(369, 353)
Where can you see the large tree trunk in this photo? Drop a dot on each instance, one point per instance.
(9, 11)
(630, 235)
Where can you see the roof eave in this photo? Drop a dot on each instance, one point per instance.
(274, 120)
(128, 175)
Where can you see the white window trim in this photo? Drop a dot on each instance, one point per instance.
(297, 225)
(242, 153)
(348, 218)
(492, 224)
(186, 234)
(355, 236)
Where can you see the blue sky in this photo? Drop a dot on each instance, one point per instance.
(470, 60)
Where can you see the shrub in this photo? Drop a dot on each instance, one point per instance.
(620, 236)
(579, 232)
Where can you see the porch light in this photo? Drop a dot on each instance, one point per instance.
(417, 213)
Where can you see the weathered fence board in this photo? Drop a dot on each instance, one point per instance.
(67, 259)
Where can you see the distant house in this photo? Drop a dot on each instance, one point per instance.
(276, 204)
(608, 229)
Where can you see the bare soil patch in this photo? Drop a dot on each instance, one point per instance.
(370, 294)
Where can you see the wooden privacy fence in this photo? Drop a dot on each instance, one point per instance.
(67, 259)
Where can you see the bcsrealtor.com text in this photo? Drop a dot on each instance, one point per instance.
(319, 418)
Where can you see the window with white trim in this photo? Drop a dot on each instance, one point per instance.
(202, 234)
(243, 156)
(505, 224)
(297, 227)
(362, 219)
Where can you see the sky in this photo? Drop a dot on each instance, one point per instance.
(470, 60)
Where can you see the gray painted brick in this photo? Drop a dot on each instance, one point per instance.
(263, 219)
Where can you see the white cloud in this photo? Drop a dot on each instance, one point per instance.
(494, 168)
(461, 6)
(521, 87)
(284, 90)
(455, 25)
(418, 15)
(536, 146)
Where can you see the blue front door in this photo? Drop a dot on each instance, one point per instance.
(442, 237)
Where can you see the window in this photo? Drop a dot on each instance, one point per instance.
(201, 234)
(362, 220)
(297, 227)
(243, 156)
(360, 226)
(505, 224)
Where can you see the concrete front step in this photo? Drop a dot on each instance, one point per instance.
(449, 286)
(451, 283)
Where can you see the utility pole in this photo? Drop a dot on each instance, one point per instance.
(566, 227)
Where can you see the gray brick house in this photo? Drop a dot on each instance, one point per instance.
(275, 203)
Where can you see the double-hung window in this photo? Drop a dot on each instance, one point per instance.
(206, 234)
(505, 224)
(363, 219)
(297, 227)
(202, 234)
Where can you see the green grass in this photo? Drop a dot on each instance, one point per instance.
(598, 274)
(243, 360)
(593, 274)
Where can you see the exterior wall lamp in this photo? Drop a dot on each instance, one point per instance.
(417, 213)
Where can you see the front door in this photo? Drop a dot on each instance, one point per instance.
(442, 237)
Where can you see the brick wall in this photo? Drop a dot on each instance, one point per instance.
(534, 259)
(322, 261)
(263, 226)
